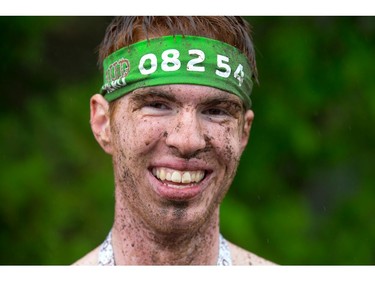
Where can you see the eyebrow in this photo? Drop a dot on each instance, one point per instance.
(223, 99)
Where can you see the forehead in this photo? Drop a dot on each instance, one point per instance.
(185, 93)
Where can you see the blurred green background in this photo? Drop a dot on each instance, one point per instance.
(304, 192)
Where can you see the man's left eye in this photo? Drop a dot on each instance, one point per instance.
(215, 111)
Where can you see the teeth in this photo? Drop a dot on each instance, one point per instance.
(161, 174)
(175, 176)
(192, 176)
(168, 177)
(186, 178)
(200, 176)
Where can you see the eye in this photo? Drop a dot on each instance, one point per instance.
(215, 112)
(157, 105)
(156, 108)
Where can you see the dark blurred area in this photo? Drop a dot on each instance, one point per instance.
(304, 193)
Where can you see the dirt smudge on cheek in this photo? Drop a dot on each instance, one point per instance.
(229, 136)
(228, 152)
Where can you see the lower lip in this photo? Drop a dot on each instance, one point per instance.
(176, 194)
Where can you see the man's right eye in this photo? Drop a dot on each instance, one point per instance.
(157, 105)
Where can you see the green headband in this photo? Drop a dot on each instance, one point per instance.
(177, 60)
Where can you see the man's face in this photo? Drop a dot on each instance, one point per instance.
(175, 152)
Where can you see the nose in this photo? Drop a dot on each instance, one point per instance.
(185, 134)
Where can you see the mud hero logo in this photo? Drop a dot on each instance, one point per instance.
(117, 70)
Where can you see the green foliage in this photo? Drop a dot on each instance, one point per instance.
(307, 169)
(304, 192)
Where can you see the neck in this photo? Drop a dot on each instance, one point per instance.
(136, 243)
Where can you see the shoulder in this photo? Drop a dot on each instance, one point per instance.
(243, 257)
(89, 259)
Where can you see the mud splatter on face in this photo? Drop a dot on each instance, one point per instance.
(140, 131)
(180, 209)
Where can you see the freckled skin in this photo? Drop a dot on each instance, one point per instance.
(188, 125)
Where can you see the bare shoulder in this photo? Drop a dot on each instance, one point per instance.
(89, 259)
(243, 257)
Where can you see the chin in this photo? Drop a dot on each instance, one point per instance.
(181, 219)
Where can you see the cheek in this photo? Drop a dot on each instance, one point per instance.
(138, 136)
(233, 142)
(150, 131)
(226, 141)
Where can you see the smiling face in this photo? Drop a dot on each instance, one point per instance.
(175, 152)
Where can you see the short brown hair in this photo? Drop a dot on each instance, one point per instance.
(127, 30)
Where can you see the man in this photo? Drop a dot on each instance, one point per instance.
(174, 113)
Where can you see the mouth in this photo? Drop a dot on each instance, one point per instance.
(178, 179)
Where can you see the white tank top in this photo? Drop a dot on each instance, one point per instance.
(106, 256)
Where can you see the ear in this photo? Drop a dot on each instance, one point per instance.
(100, 122)
(248, 120)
